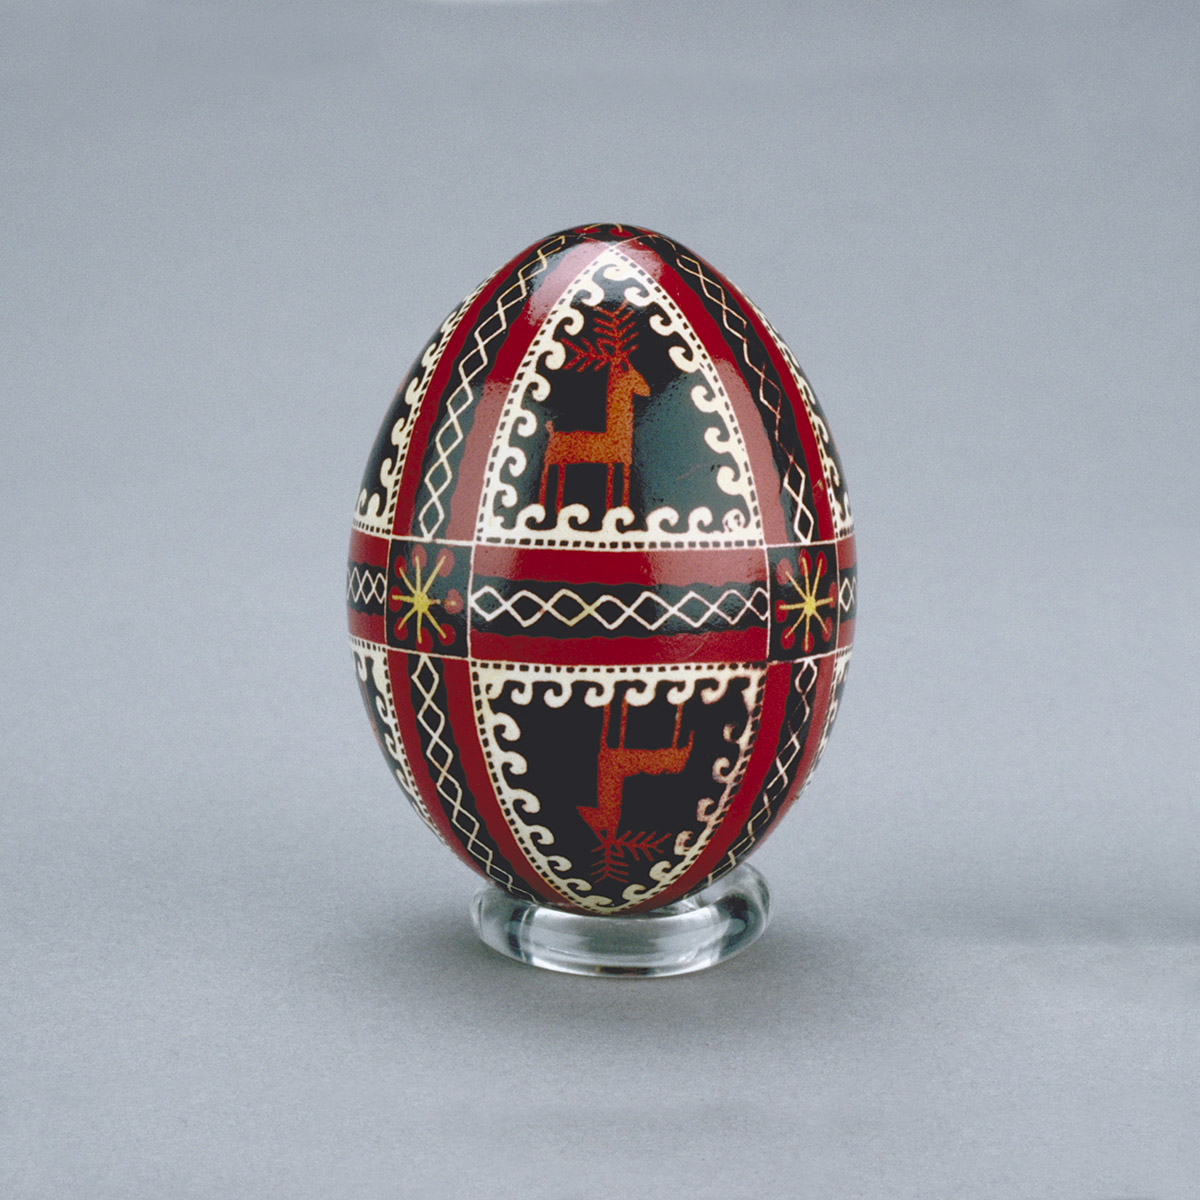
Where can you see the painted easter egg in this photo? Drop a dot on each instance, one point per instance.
(601, 585)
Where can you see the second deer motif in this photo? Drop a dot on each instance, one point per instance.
(620, 762)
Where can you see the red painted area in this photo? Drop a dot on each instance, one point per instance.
(846, 557)
(734, 646)
(775, 695)
(594, 571)
(479, 782)
(808, 436)
(406, 723)
(368, 548)
(808, 758)
(427, 414)
(767, 484)
(371, 627)
(672, 568)
(468, 485)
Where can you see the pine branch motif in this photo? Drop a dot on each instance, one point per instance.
(611, 863)
(615, 341)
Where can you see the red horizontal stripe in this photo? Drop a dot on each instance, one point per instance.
(733, 646)
(673, 568)
(368, 548)
(371, 627)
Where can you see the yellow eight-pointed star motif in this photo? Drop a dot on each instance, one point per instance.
(417, 602)
(808, 607)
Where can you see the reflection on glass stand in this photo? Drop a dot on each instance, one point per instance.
(697, 932)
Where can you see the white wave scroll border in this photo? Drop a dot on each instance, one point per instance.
(500, 735)
(500, 521)
(376, 507)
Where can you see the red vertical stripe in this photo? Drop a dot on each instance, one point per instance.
(461, 707)
(774, 706)
(750, 421)
(847, 556)
(428, 412)
(816, 727)
(808, 436)
(406, 722)
(468, 487)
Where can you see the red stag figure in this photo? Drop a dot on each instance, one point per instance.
(617, 763)
(615, 341)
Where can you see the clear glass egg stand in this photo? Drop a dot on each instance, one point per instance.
(691, 934)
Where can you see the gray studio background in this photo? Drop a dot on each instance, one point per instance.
(233, 964)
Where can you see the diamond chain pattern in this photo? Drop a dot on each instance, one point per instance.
(650, 610)
(365, 584)
(440, 756)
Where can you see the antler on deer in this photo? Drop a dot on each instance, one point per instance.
(615, 340)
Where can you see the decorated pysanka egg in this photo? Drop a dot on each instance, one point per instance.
(602, 575)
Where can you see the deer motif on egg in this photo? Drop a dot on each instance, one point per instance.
(602, 579)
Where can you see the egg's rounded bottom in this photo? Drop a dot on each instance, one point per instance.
(694, 933)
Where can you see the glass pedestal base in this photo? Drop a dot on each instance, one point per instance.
(689, 935)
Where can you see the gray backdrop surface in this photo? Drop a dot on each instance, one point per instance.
(231, 961)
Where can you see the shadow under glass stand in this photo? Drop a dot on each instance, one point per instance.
(697, 932)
